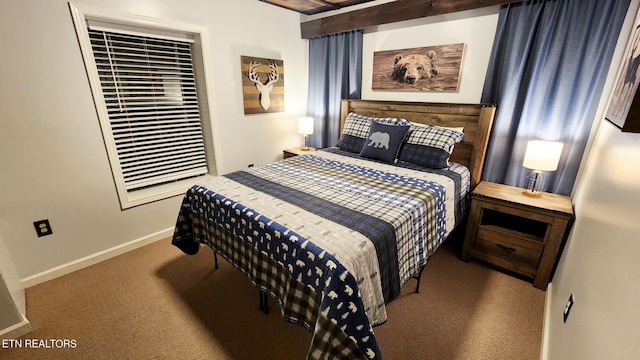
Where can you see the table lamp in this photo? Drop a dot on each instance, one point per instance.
(540, 156)
(305, 127)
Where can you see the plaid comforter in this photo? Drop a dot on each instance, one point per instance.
(331, 236)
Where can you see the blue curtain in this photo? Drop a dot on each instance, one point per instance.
(548, 66)
(335, 73)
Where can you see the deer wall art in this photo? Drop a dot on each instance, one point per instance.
(263, 85)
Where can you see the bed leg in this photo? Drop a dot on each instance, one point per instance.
(417, 277)
(264, 302)
(215, 259)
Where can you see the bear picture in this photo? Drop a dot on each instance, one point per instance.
(414, 67)
(433, 68)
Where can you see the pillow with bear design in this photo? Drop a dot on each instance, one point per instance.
(356, 130)
(383, 142)
(430, 146)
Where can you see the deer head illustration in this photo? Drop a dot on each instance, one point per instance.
(265, 89)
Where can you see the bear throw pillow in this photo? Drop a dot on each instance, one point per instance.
(383, 142)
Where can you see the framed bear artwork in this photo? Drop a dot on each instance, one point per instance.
(431, 68)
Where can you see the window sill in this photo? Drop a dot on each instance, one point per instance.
(159, 192)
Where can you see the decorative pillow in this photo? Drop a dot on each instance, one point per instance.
(383, 142)
(356, 129)
(430, 146)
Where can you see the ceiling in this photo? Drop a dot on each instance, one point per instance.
(310, 7)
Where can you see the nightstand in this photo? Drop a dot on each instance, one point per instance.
(296, 151)
(516, 233)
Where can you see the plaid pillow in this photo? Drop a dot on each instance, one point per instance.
(430, 146)
(356, 129)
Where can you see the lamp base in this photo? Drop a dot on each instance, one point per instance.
(535, 184)
(304, 146)
(531, 193)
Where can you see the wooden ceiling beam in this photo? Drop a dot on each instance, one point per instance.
(387, 13)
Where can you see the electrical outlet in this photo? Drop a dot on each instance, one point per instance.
(43, 227)
(250, 165)
(567, 308)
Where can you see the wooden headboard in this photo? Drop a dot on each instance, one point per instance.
(476, 119)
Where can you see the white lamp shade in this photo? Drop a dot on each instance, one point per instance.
(542, 155)
(305, 125)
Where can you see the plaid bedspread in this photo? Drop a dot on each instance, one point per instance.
(331, 236)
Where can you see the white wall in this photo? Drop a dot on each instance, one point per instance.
(599, 265)
(9, 314)
(13, 322)
(10, 278)
(52, 156)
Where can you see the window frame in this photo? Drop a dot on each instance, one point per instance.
(201, 63)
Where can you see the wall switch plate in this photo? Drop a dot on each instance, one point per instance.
(43, 227)
(567, 308)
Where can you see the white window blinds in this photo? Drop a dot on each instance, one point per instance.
(149, 90)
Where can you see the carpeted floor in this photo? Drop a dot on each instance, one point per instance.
(157, 303)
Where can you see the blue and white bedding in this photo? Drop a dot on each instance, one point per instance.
(330, 235)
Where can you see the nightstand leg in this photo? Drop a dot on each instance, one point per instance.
(472, 229)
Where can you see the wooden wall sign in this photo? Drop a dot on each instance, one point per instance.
(432, 68)
(262, 85)
(624, 107)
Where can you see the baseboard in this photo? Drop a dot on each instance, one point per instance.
(545, 323)
(94, 258)
(17, 330)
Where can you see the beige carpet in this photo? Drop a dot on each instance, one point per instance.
(157, 303)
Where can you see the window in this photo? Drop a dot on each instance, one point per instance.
(148, 88)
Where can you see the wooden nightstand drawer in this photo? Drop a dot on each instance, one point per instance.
(504, 245)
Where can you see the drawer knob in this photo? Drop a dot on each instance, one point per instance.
(506, 248)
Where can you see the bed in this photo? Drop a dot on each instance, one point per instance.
(333, 235)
